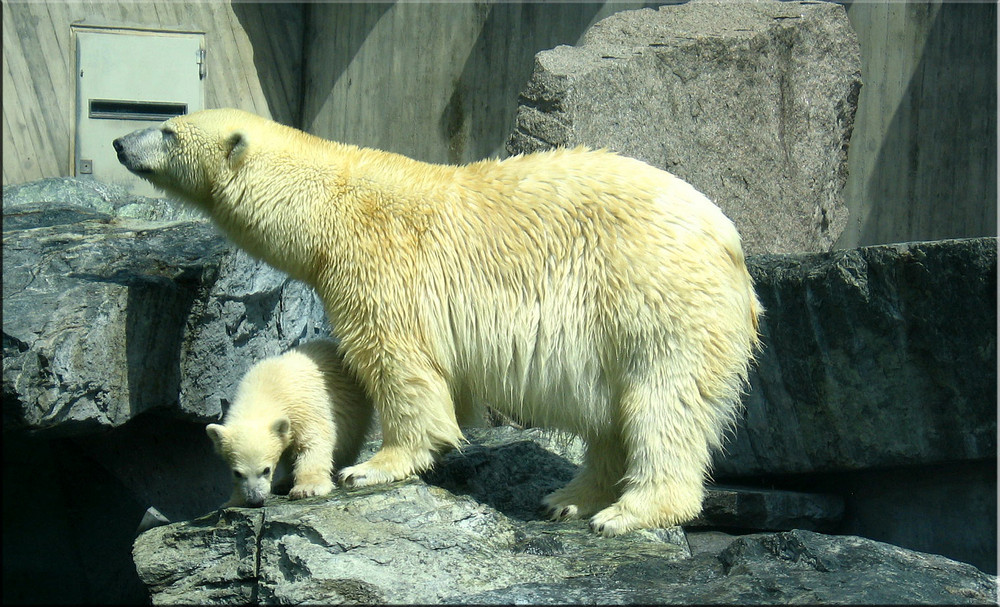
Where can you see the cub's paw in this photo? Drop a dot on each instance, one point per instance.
(613, 521)
(302, 490)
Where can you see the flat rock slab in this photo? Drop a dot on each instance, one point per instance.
(753, 103)
(789, 568)
(769, 509)
(415, 543)
(407, 543)
(107, 198)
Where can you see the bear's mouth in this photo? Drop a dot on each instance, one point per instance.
(140, 170)
(132, 165)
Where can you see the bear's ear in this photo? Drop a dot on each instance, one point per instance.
(282, 428)
(217, 433)
(237, 146)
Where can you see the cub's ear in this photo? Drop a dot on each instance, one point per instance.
(217, 433)
(282, 428)
(237, 146)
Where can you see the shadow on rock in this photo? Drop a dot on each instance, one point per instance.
(511, 478)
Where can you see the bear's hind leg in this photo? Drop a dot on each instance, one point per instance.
(418, 420)
(594, 486)
(352, 416)
(665, 437)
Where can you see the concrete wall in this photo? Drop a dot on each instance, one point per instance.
(923, 161)
(39, 65)
(439, 82)
(435, 81)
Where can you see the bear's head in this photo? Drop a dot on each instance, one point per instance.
(252, 450)
(190, 155)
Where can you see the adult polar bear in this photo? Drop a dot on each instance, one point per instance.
(572, 289)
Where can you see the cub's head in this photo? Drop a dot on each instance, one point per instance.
(252, 451)
(191, 155)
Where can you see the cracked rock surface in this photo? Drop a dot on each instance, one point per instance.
(470, 532)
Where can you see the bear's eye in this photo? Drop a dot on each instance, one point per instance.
(237, 474)
(266, 472)
(169, 132)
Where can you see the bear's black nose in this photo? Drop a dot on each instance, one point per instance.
(118, 145)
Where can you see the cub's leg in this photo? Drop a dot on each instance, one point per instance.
(665, 428)
(418, 419)
(594, 486)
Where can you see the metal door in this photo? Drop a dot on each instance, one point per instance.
(129, 79)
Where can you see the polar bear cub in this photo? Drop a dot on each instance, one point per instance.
(302, 408)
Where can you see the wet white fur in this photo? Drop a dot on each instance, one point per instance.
(302, 405)
(573, 289)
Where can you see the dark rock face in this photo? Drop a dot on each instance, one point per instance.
(123, 336)
(753, 103)
(107, 317)
(873, 357)
(94, 314)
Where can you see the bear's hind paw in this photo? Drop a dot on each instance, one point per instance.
(364, 476)
(558, 512)
(304, 490)
(614, 521)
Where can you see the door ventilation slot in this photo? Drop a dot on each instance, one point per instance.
(156, 111)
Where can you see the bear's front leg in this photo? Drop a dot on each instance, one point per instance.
(313, 467)
(418, 419)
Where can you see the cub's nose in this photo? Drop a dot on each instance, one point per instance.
(117, 143)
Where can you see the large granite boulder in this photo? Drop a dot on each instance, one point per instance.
(753, 103)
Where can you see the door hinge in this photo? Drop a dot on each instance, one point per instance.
(201, 64)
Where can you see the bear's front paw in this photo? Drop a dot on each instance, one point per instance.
(302, 490)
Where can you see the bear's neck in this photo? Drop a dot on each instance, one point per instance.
(330, 215)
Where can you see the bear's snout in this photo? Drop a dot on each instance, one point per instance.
(133, 150)
(119, 149)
